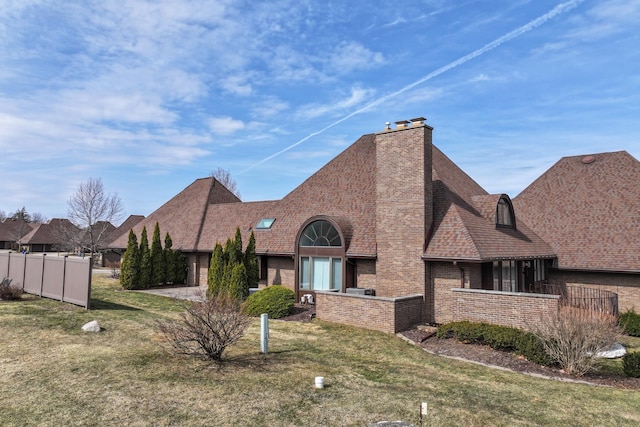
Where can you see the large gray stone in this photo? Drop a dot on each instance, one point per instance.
(614, 352)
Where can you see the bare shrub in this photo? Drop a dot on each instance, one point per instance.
(573, 337)
(115, 269)
(207, 327)
(9, 291)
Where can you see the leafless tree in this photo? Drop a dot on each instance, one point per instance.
(38, 218)
(224, 177)
(94, 211)
(3, 215)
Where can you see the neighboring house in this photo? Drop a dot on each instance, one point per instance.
(12, 231)
(588, 209)
(388, 234)
(111, 256)
(50, 236)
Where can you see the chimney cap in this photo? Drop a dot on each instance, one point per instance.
(418, 120)
(402, 122)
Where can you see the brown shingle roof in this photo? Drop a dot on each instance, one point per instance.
(183, 215)
(49, 233)
(12, 229)
(123, 228)
(588, 211)
(464, 221)
(345, 190)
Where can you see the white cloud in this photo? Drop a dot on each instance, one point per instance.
(237, 85)
(225, 125)
(354, 99)
(352, 56)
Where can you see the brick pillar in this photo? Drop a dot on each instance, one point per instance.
(404, 207)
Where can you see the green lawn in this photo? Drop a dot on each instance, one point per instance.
(52, 373)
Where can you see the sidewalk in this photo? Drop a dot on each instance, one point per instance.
(192, 293)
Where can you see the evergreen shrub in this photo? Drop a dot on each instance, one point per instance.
(631, 364)
(502, 338)
(276, 300)
(630, 323)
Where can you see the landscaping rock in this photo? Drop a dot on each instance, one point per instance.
(92, 326)
(614, 352)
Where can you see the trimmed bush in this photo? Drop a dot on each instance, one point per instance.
(501, 338)
(276, 300)
(531, 347)
(630, 323)
(631, 364)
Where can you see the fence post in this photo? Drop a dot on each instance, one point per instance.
(89, 283)
(64, 276)
(44, 263)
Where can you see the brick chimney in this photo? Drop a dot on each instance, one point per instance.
(404, 206)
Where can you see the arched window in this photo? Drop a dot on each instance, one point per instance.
(320, 233)
(320, 257)
(504, 213)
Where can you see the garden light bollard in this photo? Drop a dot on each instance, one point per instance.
(264, 333)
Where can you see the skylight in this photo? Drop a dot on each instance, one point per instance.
(265, 223)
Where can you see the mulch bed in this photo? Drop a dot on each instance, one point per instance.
(424, 337)
(301, 313)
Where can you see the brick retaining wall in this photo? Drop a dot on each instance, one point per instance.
(515, 309)
(388, 315)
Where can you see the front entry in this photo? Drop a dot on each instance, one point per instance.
(320, 258)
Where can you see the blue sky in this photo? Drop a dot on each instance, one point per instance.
(150, 95)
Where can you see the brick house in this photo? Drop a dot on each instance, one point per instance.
(387, 234)
(588, 209)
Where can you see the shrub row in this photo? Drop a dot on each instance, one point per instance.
(501, 338)
(629, 321)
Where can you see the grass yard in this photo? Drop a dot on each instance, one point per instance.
(53, 374)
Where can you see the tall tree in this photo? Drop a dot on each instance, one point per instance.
(130, 266)
(21, 214)
(169, 259)
(158, 267)
(238, 286)
(181, 267)
(224, 177)
(145, 276)
(251, 263)
(91, 209)
(216, 271)
(19, 225)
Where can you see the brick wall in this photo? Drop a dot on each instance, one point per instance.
(440, 303)
(627, 286)
(448, 301)
(404, 211)
(388, 315)
(280, 271)
(515, 309)
(366, 274)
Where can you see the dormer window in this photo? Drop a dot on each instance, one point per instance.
(504, 213)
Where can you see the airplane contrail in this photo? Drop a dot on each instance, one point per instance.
(533, 24)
